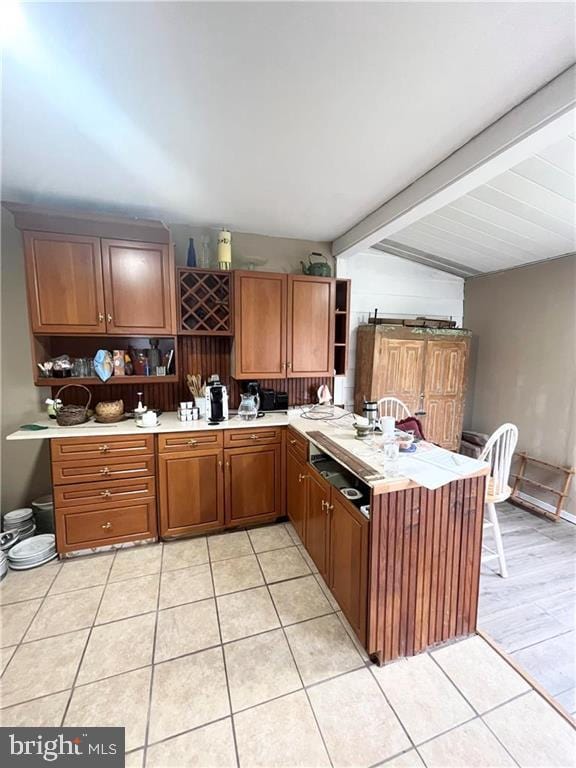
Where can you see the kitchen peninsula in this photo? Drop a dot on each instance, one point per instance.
(403, 561)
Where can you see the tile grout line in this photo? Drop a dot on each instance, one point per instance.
(294, 660)
(396, 715)
(221, 646)
(83, 654)
(152, 664)
(472, 707)
(17, 645)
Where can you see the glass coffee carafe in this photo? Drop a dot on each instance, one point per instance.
(248, 408)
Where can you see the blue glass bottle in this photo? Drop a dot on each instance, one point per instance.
(191, 260)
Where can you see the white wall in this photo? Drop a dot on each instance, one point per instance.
(398, 288)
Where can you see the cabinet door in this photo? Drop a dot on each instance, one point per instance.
(310, 326)
(191, 492)
(401, 372)
(137, 288)
(297, 492)
(317, 521)
(349, 561)
(253, 483)
(64, 277)
(260, 320)
(444, 390)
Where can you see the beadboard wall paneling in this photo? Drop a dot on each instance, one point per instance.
(196, 354)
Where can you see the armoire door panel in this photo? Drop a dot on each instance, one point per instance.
(64, 276)
(310, 326)
(402, 371)
(444, 390)
(137, 287)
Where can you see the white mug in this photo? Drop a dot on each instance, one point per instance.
(149, 419)
(387, 426)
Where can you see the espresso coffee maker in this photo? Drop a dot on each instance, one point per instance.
(216, 399)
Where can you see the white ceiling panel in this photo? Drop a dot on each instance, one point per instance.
(524, 215)
(288, 118)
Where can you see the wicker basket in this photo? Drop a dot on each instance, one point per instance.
(71, 415)
(108, 412)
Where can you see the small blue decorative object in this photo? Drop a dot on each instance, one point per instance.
(191, 260)
(103, 364)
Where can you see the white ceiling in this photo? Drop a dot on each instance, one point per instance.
(526, 214)
(293, 119)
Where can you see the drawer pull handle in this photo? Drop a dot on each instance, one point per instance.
(105, 471)
(109, 317)
(106, 526)
(192, 442)
(254, 437)
(293, 442)
(302, 477)
(103, 448)
(100, 317)
(106, 493)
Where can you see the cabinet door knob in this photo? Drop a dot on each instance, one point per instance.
(192, 442)
(292, 441)
(100, 317)
(106, 526)
(104, 448)
(288, 365)
(302, 477)
(106, 493)
(105, 471)
(109, 318)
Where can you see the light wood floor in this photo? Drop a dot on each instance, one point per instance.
(532, 613)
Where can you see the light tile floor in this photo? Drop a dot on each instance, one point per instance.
(231, 651)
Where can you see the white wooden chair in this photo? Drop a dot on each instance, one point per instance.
(498, 452)
(391, 406)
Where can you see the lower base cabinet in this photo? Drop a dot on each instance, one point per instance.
(335, 534)
(349, 561)
(297, 490)
(204, 485)
(191, 492)
(253, 483)
(317, 522)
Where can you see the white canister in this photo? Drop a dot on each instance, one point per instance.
(387, 426)
(149, 419)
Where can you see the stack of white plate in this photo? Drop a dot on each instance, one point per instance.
(20, 520)
(34, 552)
(3, 565)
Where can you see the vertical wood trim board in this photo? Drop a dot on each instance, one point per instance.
(196, 354)
(424, 567)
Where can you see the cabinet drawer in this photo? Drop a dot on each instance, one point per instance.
(126, 491)
(102, 470)
(298, 444)
(90, 526)
(71, 448)
(237, 438)
(188, 441)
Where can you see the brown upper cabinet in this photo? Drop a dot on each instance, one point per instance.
(284, 326)
(65, 289)
(87, 285)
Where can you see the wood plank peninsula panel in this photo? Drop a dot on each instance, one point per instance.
(424, 567)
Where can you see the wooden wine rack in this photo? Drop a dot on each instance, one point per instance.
(205, 306)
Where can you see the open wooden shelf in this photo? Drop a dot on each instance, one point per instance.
(46, 347)
(94, 381)
(341, 327)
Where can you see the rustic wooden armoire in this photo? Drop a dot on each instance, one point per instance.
(426, 368)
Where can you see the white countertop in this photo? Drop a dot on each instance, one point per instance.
(167, 422)
(338, 428)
